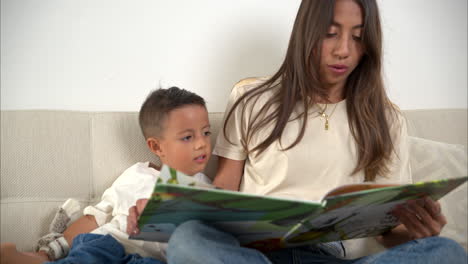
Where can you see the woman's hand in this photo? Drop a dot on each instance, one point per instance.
(133, 215)
(419, 218)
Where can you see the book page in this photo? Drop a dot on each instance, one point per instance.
(356, 187)
(364, 213)
(257, 221)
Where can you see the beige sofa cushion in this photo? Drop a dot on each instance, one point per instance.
(432, 160)
(49, 156)
(45, 156)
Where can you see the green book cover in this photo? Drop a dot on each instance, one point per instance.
(269, 223)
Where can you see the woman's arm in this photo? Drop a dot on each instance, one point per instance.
(229, 173)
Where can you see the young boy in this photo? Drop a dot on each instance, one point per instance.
(175, 125)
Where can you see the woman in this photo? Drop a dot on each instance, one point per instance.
(321, 121)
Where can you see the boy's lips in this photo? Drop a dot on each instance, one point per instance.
(201, 158)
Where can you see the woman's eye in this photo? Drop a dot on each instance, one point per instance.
(358, 38)
(187, 138)
(207, 133)
(331, 35)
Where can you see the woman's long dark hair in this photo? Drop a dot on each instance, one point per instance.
(369, 109)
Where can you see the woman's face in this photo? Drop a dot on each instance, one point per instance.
(342, 48)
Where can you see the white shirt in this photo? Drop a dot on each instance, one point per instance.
(137, 182)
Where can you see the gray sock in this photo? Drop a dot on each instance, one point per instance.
(54, 244)
(64, 216)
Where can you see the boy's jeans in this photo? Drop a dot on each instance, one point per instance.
(97, 249)
(195, 242)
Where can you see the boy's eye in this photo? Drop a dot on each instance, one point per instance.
(207, 133)
(187, 138)
(331, 35)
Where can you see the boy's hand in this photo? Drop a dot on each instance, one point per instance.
(133, 215)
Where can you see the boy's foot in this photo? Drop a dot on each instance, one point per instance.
(9, 254)
(64, 216)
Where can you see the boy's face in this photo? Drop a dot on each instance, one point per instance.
(185, 140)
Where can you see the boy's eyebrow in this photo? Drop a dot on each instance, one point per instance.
(185, 131)
(334, 23)
(191, 130)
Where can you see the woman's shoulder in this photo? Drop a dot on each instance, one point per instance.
(247, 84)
(397, 122)
(395, 116)
(251, 82)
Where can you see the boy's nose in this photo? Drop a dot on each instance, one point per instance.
(200, 143)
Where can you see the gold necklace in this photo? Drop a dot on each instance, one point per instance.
(325, 115)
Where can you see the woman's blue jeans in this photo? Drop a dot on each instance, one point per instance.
(195, 242)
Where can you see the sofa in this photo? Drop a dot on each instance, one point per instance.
(49, 156)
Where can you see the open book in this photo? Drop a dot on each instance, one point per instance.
(268, 223)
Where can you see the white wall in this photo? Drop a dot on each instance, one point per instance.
(106, 55)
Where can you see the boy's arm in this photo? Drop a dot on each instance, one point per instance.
(229, 173)
(84, 224)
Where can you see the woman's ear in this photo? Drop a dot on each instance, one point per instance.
(154, 145)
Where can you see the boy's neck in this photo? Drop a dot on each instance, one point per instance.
(154, 166)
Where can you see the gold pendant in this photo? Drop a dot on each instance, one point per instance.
(326, 124)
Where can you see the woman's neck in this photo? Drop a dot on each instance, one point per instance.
(335, 94)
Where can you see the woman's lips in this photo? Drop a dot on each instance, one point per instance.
(338, 68)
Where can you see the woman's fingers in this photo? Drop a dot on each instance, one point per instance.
(426, 222)
(434, 208)
(412, 223)
(422, 217)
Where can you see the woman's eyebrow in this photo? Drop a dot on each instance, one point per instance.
(334, 23)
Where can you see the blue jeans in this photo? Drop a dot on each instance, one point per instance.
(93, 248)
(194, 242)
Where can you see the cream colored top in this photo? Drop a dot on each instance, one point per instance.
(323, 159)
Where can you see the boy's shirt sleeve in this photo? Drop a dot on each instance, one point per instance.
(135, 183)
(102, 211)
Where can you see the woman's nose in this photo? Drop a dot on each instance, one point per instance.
(342, 48)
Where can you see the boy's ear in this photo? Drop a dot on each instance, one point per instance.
(154, 145)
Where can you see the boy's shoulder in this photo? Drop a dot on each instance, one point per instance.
(138, 171)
